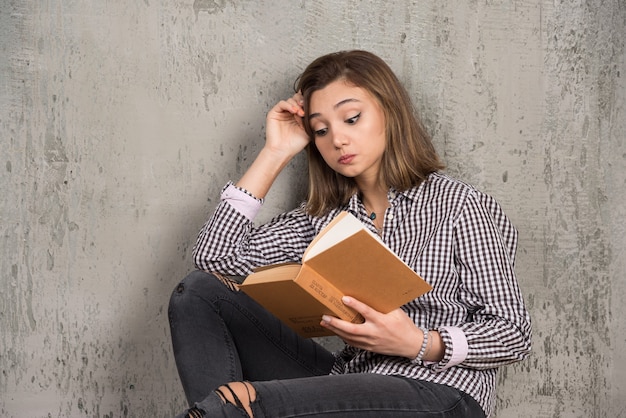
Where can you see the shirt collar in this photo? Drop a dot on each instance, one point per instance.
(355, 206)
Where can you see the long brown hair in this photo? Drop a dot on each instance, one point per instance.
(409, 155)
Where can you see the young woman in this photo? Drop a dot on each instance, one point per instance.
(368, 154)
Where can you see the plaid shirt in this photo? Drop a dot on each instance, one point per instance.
(457, 238)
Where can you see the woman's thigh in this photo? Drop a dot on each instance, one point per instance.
(361, 395)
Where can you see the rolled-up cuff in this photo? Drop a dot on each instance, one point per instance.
(243, 202)
(459, 346)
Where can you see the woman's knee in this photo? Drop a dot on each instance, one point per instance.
(240, 394)
(196, 283)
(201, 286)
(232, 399)
(194, 279)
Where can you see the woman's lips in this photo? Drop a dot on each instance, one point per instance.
(346, 159)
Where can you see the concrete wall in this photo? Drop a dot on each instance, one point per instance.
(120, 122)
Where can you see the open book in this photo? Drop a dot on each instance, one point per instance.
(345, 259)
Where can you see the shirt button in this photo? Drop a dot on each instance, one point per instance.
(390, 216)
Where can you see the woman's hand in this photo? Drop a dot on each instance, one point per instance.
(284, 132)
(284, 138)
(392, 334)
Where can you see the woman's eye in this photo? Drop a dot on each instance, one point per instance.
(321, 132)
(353, 119)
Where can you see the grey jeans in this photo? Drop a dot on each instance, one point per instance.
(220, 335)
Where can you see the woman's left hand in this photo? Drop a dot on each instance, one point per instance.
(392, 334)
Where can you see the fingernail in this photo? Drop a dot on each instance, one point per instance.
(346, 299)
(326, 319)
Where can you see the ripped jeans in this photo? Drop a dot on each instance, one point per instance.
(220, 335)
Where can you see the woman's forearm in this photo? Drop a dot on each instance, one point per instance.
(259, 178)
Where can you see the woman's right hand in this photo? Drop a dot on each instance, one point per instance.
(284, 131)
(284, 138)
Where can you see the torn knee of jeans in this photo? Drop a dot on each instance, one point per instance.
(195, 412)
(240, 394)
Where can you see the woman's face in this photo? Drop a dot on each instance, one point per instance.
(349, 129)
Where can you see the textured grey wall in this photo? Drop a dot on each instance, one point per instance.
(120, 121)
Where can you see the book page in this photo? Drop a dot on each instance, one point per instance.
(343, 226)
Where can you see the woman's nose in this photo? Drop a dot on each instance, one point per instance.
(339, 138)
